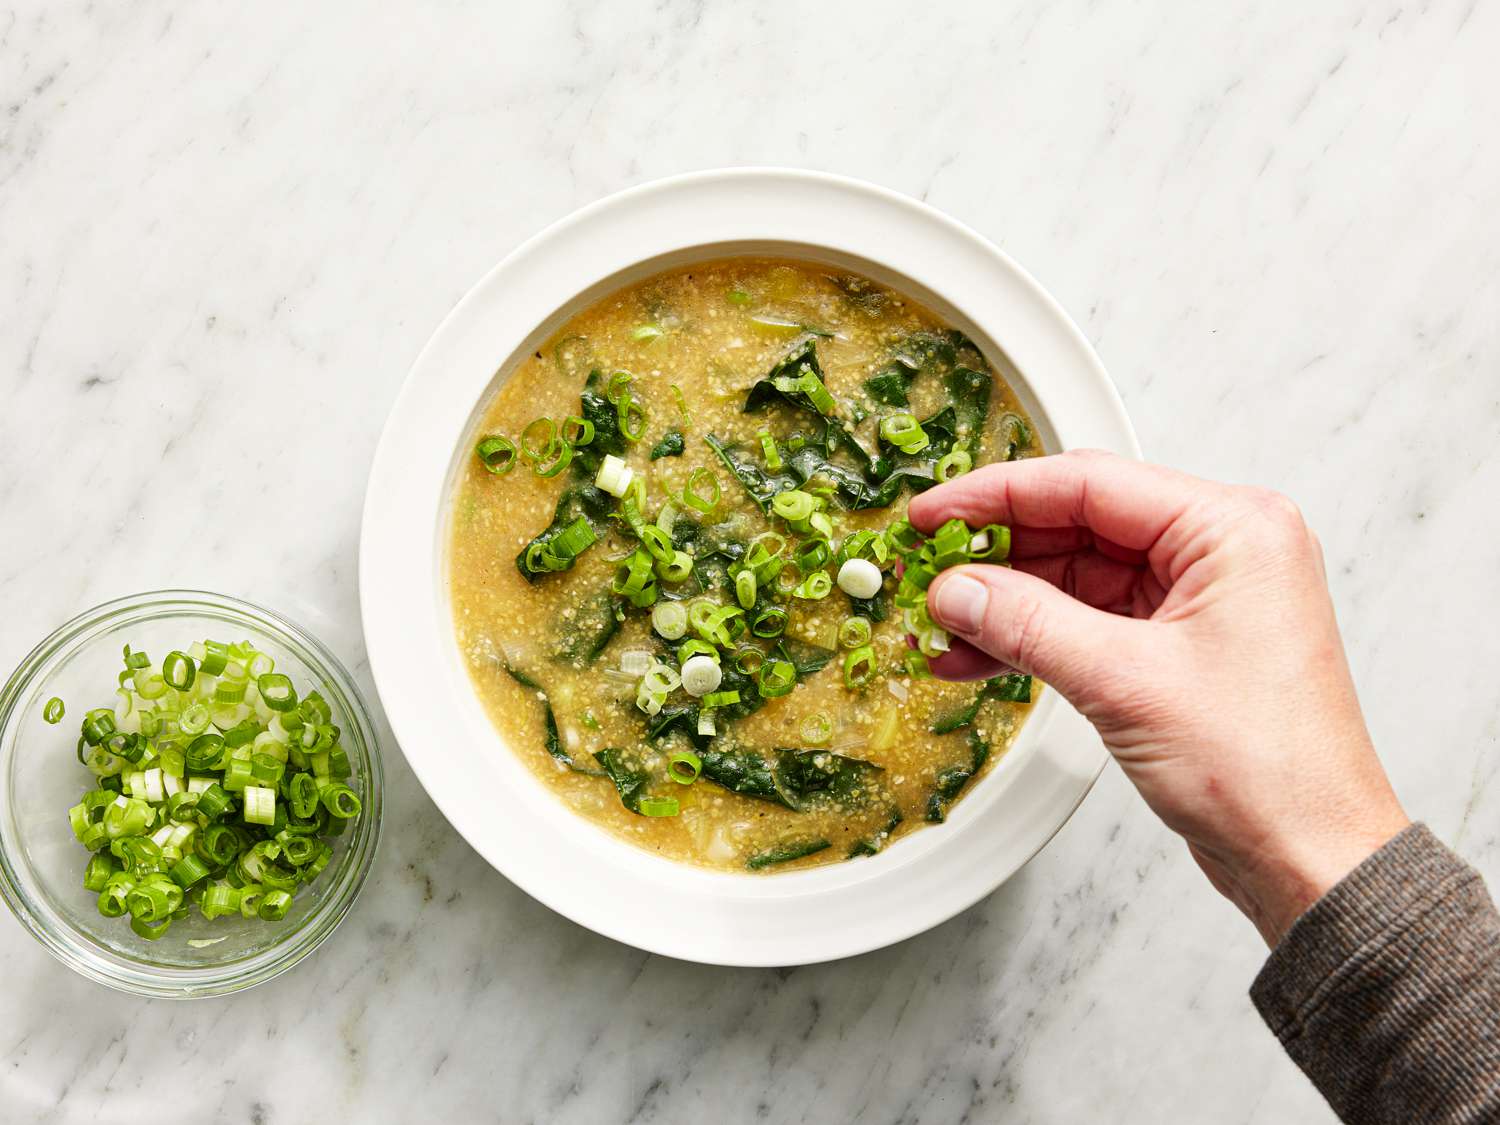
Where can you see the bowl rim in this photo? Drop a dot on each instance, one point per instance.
(115, 970)
(539, 844)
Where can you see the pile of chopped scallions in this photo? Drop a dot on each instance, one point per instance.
(216, 787)
(923, 559)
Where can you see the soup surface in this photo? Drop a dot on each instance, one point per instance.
(764, 411)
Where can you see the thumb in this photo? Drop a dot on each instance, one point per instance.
(1029, 624)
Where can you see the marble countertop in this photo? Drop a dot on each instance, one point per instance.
(225, 232)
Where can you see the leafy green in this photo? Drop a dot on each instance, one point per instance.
(950, 782)
(744, 772)
(970, 391)
(584, 631)
(802, 358)
(890, 384)
(671, 445)
(631, 782)
(582, 500)
(551, 738)
(761, 485)
(595, 408)
(678, 720)
(785, 853)
(865, 295)
(1013, 688)
(806, 658)
(797, 779)
(876, 841)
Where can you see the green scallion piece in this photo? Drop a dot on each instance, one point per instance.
(632, 418)
(768, 448)
(178, 670)
(854, 632)
(577, 431)
(497, 454)
(702, 491)
(684, 766)
(776, 678)
(53, 711)
(537, 438)
(859, 667)
(658, 806)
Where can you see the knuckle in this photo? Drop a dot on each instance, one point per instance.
(1023, 632)
(1278, 510)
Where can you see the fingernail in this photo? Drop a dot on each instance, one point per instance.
(961, 602)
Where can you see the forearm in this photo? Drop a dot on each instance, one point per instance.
(1387, 991)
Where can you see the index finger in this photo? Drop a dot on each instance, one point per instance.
(1128, 502)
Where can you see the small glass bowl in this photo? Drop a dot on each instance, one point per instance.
(41, 863)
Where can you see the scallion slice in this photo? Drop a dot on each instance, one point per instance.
(537, 438)
(859, 667)
(702, 491)
(178, 670)
(497, 454)
(684, 766)
(577, 431)
(776, 678)
(658, 806)
(53, 711)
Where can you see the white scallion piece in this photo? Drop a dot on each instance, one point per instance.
(898, 689)
(614, 475)
(635, 662)
(859, 578)
(701, 675)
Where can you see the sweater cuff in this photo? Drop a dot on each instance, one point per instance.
(1346, 929)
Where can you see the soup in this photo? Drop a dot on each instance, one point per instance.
(672, 564)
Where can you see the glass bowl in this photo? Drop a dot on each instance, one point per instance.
(41, 863)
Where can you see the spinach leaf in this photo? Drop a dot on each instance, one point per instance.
(671, 445)
(630, 782)
(761, 485)
(833, 437)
(803, 357)
(806, 775)
(1015, 436)
(875, 609)
(680, 720)
(806, 658)
(520, 677)
(595, 408)
(950, 782)
(584, 501)
(785, 853)
(876, 842)
(584, 631)
(744, 772)
(970, 391)
(1014, 688)
(890, 384)
(551, 738)
(865, 295)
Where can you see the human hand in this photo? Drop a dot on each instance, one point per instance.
(1190, 622)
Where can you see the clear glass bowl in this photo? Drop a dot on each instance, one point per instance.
(41, 863)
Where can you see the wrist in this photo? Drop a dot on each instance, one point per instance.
(1291, 872)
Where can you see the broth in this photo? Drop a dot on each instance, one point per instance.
(826, 771)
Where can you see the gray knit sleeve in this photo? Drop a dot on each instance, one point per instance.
(1387, 991)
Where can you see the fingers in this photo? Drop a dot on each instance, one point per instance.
(965, 662)
(1127, 502)
(1025, 622)
(1092, 578)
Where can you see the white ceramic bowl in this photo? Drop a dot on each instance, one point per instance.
(489, 796)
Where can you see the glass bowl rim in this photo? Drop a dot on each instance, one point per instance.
(119, 971)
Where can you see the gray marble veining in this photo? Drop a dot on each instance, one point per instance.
(225, 231)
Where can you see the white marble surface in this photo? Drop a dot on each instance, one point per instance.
(226, 230)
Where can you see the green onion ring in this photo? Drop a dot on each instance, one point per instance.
(537, 438)
(497, 454)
